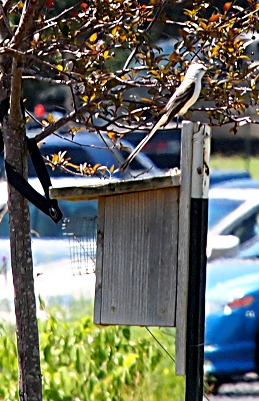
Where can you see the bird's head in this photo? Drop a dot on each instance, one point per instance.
(196, 70)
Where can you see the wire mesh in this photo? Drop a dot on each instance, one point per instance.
(81, 232)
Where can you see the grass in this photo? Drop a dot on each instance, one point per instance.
(236, 163)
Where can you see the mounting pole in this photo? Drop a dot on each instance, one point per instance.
(197, 263)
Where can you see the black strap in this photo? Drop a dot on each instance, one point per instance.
(44, 203)
(39, 165)
(47, 206)
(43, 175)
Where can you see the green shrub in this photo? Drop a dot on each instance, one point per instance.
(81, 361)
(8, 364)
(84, 362)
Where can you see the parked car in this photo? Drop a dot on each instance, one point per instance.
(42, 225)
(55, 276)
(163, 148)
(240, 182)
(222, 177)
(233, 213)
(63, 253)
(88, 147)
(232, 315)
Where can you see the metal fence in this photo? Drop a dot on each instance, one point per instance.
(81, 232)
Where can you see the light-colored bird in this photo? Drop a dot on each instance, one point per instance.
(183, 98)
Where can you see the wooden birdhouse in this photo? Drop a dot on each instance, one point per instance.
(143, 245)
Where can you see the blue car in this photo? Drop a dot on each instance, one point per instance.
(232, 316)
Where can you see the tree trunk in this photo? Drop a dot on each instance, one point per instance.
(14, 133)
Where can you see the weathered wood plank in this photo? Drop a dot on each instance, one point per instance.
(183, 246)
(109, 188)
(140, 258)
(99, 261)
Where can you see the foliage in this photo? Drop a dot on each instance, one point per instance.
(8, 364)
(101, 363)
(162, 383)
(81, 361)
(74, 49)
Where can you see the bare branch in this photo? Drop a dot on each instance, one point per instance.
(48, 80)
(3, 213)
(5, 19)
(61, 122)
(6, 5)
(154, 19)
(26, 21)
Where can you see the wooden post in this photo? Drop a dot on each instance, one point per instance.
(197, 263)
(183, 246)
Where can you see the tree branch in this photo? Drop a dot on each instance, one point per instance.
(154, 19)
(26, 21)
(6, 5)
(16, 91)
(5, 19)
(61, 122)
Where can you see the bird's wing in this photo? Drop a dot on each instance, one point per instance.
(176, 103)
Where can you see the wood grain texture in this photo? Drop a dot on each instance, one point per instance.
(183, 246)
(139, 255)
(94, 188)
(99, 261)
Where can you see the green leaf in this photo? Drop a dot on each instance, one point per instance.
(47, 353)
(130, 360)
(64, 28)
(126, 332)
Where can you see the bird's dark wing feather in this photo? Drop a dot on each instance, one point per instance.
(180, 100)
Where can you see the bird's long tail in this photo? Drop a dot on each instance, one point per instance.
(162, 121)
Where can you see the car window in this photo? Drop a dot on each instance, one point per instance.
(250, 249)
(163, 149)
(135, 165)
(247, 228)
(220, 208)
(42, 226)
(78, 155)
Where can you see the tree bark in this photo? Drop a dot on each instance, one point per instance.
(14, 135)
(14, 132)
